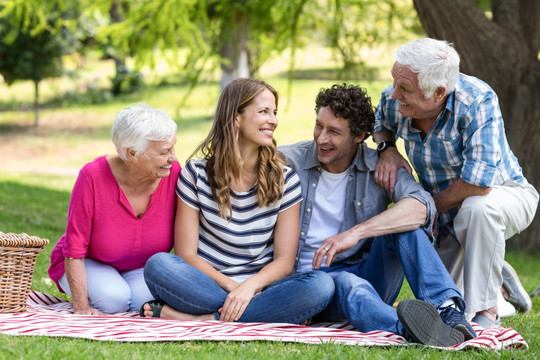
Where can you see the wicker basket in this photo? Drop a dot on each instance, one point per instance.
(18, 253)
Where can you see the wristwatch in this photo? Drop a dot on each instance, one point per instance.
(383, 145)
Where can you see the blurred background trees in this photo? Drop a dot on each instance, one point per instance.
(33, 40)
(235, 36)
(498, 40)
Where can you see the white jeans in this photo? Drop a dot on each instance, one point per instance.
(110, 291)
(482, 226)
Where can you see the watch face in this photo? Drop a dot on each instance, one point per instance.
(381, 145)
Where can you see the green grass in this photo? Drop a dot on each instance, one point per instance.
(39, 166)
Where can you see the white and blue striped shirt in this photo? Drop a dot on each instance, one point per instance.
(466, 141)
(240, 246)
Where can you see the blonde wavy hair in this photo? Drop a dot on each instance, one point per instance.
(220, 148)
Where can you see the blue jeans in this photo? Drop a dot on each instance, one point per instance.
(293, 299)
(365, 292)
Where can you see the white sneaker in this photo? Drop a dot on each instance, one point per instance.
(517, 296)
(505, 309)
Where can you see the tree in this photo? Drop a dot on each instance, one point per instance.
(237, 35)
(30, 49)
(250, 31)
(361, 26)
(503, 51)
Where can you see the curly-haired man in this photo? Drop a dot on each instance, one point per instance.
(366, 246)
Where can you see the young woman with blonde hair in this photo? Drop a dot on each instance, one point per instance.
(237, 225)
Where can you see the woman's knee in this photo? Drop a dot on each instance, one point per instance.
(318, 284)
(110, 298)
(160, 262)
(324, 281)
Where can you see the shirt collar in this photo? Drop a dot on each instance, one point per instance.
(364, 160)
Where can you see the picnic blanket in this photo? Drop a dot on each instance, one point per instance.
(51, 316)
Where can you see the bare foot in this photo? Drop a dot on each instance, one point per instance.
(169, 313)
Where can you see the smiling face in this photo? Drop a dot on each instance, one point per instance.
(336, 147)
(256, 124)
(156, 160)
(412, 102)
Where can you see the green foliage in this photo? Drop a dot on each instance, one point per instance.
(161, 25)
(369, 24)
(154, 30)
(29, 55)
(126, 81)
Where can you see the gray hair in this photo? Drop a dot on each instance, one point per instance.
(435, 61)
(137, 125)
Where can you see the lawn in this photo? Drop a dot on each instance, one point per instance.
(39, 166)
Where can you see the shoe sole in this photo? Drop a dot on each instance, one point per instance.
(511, 278)
(423, 323)
(467, 335)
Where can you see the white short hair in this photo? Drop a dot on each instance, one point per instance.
(137, 125)
(435, 61)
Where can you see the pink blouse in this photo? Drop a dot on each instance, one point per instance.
(102, 226)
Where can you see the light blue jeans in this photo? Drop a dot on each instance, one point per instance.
(293, 299)
(365, 292)
(110, 291)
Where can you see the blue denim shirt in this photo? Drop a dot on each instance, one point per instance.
(365, 198)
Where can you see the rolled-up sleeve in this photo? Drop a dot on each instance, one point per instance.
(482, 151)
(408, 187)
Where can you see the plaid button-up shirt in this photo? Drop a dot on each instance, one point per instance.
(466, 141)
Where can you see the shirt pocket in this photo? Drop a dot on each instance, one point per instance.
(450, 152)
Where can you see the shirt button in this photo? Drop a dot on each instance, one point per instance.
(302, 233)
(308, 210)
(313, 184)
(359, 203)
(425, 144)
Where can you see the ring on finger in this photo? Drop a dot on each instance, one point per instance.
(325, 248)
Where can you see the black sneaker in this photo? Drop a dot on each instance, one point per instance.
(423, 324)
(453, 316)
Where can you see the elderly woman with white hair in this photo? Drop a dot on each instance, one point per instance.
(121, 212)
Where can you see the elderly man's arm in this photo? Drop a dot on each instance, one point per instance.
(389, 162)
(405, 215)
(454, 195)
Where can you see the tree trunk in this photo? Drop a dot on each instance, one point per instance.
(36, 103)
(234, 50)
(116, 13)
(503, 52)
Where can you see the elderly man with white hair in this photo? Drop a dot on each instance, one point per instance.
(121, 212)
(454, 137)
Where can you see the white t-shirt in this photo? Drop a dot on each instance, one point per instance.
(327, 215)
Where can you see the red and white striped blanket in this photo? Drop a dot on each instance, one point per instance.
(51, 316)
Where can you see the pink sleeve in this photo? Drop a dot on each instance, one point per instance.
(80, 217)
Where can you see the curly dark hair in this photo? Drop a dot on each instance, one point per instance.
(349, 102)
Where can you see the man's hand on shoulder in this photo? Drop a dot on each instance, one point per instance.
(389, 162)
(332, 247)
